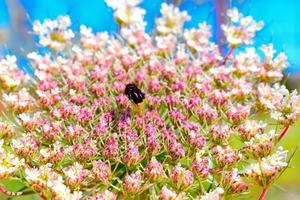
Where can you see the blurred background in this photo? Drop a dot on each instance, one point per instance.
(281, 20)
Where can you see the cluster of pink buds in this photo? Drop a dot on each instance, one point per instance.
(181, 177)
(133, 182)
(154, 170)
(225, 155)
(76, 175)
(201, 165)
(219, 134)
(167, 194)
(233, 183)
(137, 115)
(101, 171)
(261, 144)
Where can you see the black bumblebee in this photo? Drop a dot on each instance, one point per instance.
(134, 93)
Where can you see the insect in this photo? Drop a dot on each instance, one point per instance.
(134, 93)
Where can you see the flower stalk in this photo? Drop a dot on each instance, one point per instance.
(283, 133)
(263, 194)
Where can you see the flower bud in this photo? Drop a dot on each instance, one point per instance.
(200, 166)
(154, 170)
(260, 145)
(133, 182)
(181, 177)
(233, 183)
(225, 155)
(101, 171)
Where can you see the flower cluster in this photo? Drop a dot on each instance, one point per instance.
(241, 30)
(265, 171)
(9, 162)
(126, 11)
(138, 115)
(54, 34)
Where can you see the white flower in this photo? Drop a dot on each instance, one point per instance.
(51, 24)
(247, 61)
(166, 43)
(172, 20)
(126, 12)
(54, 34)
(9, 63)
(32, 174)
(234, 15)
(85, 31)
(259, 139)
(198, 39)
(240, 30)
(64, 22)
(39, 28)
(216, 194)
(9, 163)
(268, 51)
(114, 4)
(285, 105)
(10, 75)
(266, 171)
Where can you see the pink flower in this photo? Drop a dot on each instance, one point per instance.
(99, 89)
(132, 155)
(182, 177)
(153, 145)
(219, 134)
(133, 182)
(74, 133)
(76, 175)
(51, 130)
(197, 140)
(85, 150)
(241, 30)
(225, 155)
(25, 146)
(238, 113)
(101, 171)
(233, 182)
(111, 147)
(154, 170)
(84, 115)
(79, 136)
(251, 128)
(207, 114)
(106, 195)
(154, 85)
(167, 194)
(201, 167)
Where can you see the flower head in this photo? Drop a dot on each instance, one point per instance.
(126, 11)
(171, 21)
(240, 30)
(266, 171)
(69, 131)
(54, 34)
